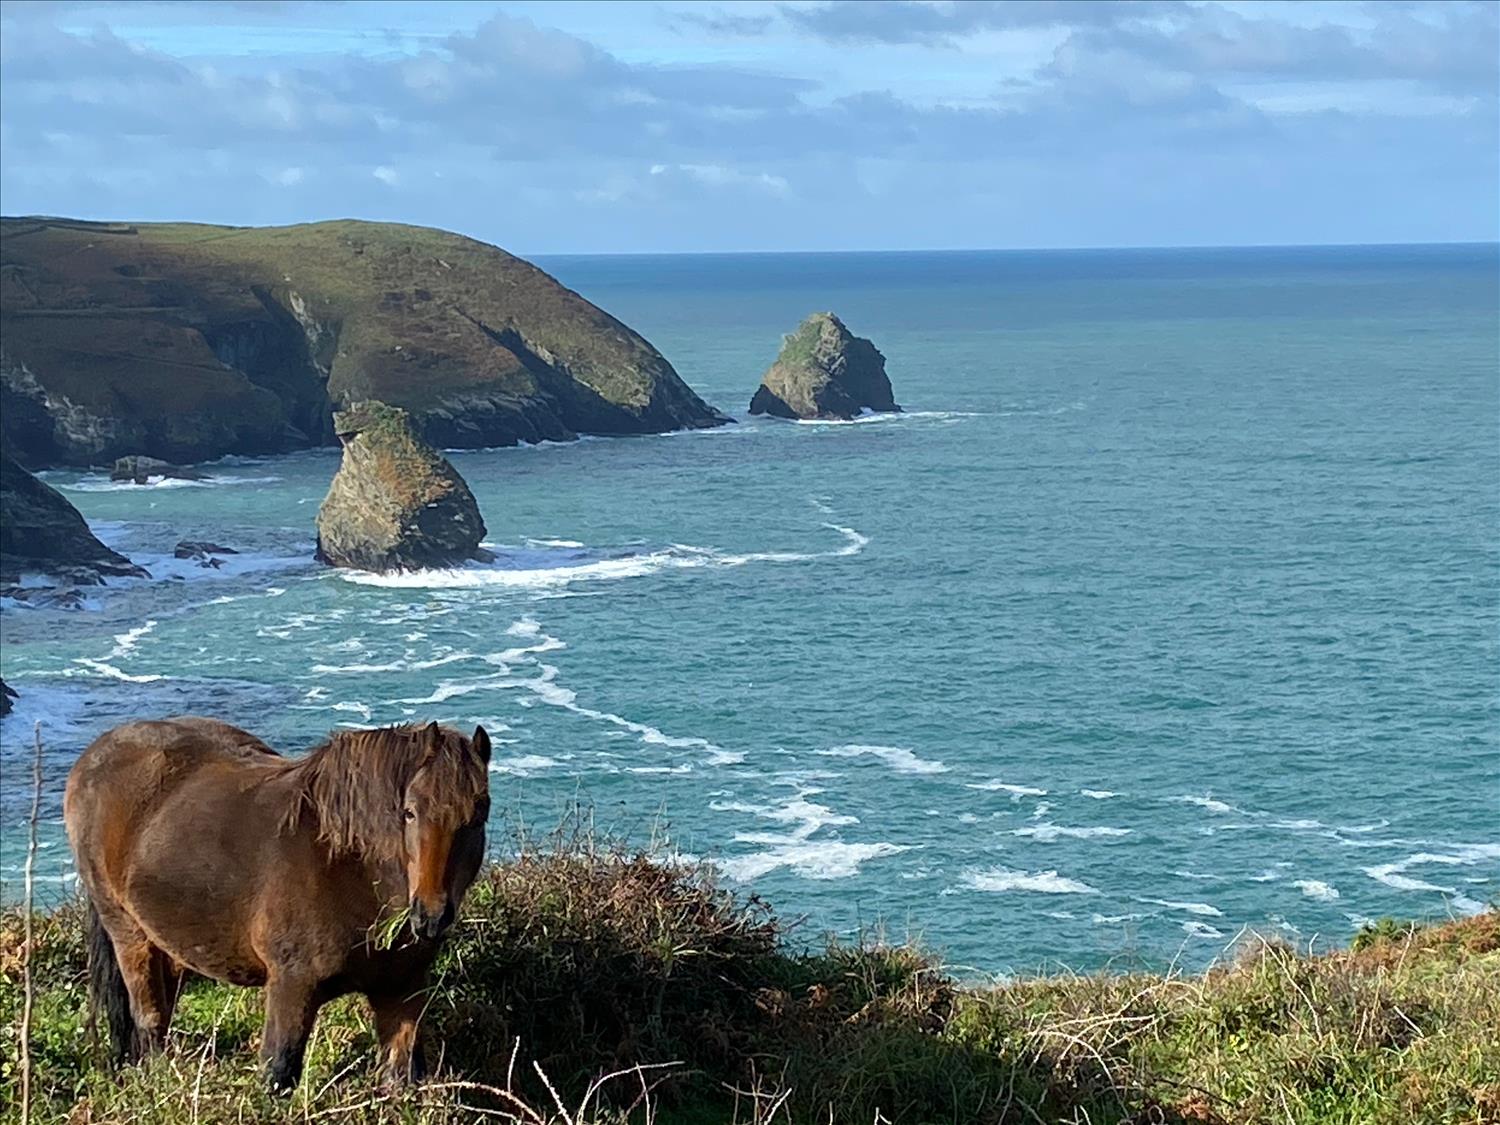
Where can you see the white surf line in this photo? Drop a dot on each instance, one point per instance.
(124, 646)
(1200, 908)
(898, 758)
(544, 688)
(1016, 791)
(504, 574)
(1453, 855)
(795, 848)
(1001, 879)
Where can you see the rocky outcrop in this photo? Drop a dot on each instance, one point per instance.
(205, 554)
(395, 503)
(824, 371)
(41, 533)
(7, 694)
(186, 343)
(142, 469)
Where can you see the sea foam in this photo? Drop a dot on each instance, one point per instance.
(1316, 889)
(1001, 879)
(1046, 832)
(552, 569)
(898, 758)
(995, 785)
(1201, 908)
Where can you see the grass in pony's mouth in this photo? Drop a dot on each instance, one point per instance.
(387, 930)
(571, 963)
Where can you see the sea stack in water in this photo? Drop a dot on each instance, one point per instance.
(824, 371)
(140, 470)
(395, 503)
(41, 533)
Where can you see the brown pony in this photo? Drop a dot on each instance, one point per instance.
(202, 849)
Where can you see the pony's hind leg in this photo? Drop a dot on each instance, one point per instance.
(152, 984)
(291, 1007)
(396, 1018)
(166, 982)
(109, 999)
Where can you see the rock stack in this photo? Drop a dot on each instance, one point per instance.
(824, 371)
(395, 503)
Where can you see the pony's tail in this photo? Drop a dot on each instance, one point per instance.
(107, 995)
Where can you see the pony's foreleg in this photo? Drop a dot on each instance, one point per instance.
(291, 1007)
(396, 1018)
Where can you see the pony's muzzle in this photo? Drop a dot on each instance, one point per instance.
(429, 923)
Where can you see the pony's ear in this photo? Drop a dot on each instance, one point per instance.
(481, 744)
(431, 740)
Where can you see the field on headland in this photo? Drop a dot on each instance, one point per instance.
(574, 962)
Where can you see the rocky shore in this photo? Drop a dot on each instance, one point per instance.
(42, 534)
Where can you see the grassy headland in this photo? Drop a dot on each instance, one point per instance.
(571, 963)
(187, 341)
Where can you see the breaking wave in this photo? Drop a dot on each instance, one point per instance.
(1001, 879)
(556, 567)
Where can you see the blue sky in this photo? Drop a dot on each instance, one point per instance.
(655, 126)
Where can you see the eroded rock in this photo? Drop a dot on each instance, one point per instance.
(825, 371)
(142, 469)
(41, 533)
(395, 503)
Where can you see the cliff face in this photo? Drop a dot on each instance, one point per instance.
(41, 533)
(395, 503)
(188, 342)
(824, 371)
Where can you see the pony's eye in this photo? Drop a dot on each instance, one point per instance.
(409, 815)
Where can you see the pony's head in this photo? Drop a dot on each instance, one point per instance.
(412, 797)
(443, 812)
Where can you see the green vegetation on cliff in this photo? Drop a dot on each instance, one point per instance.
(587, 963)
(185, 341)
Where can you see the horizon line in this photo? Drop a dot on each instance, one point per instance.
(1095, 249)
(1477, 243)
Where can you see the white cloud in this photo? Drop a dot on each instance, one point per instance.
(385, 174)
(723, 176)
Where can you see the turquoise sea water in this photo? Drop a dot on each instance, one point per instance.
(1169, 607)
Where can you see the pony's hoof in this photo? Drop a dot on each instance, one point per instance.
(393, 1084)
(280, 1082)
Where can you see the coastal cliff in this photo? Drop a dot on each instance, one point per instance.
(41, 533)
(187, 342)
(591, 962)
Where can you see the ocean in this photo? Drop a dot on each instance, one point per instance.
(1169, 607)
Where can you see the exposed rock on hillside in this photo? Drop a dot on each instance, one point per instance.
(824, 371)
(41, 533)
(395, 503)
(187, 342)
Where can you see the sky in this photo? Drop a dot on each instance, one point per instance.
(651, 126)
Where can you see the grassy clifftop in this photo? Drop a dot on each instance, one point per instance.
(184, 340)
(587, 963)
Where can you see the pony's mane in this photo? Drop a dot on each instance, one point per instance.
(354, 784)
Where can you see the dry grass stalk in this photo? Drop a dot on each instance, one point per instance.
(28, 991)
